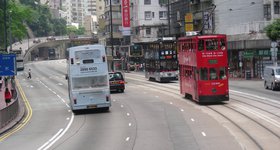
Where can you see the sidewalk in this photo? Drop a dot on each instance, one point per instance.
(2, 96)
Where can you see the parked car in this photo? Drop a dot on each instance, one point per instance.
(117, 82)
(50, 38)
(36, 40)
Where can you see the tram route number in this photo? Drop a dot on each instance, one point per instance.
(88, 69)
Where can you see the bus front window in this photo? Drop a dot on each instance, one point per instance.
(213, 74)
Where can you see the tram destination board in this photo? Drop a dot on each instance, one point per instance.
(8, 65)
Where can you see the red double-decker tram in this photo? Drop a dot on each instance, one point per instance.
(203, 63)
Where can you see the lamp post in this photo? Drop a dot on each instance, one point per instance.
(168, 17)
(10, 31)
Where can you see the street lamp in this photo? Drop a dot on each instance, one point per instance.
(5, 25)
(111, 35)
(10, 31)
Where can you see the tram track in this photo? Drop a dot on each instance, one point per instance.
(264, 125)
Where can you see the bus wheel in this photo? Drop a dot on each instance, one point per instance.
(106, 108)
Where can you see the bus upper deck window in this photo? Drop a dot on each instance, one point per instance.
(201, 45)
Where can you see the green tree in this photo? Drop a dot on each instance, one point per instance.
(17, 14)
(273, 30)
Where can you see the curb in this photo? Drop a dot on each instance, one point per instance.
(20, 115)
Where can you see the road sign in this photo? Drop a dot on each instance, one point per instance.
(8, 65)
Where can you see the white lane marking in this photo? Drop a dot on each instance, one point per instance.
(31, 86)
(114, 100)
(182, 110)
(50, 139)
(60, 135)
(203, 133)
(121, 106)
(60, 84)
(262, 116)
(54, 92)
(192, 120)
(127, 139)
(252, 95)
(67, 118)
(129, 124)
(171, 103)
(69, 110)
(157, 96)
(127, 114)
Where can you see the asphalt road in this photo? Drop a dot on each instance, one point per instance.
(141, 118)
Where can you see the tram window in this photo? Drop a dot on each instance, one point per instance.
(211, 44)
(201, 45)
(213, 74)
(223, 44)
(222, 74)
(203, 74)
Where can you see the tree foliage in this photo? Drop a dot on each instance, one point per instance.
(273, 30)
(16, 15)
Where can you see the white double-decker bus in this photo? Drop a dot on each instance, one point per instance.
(88, 81)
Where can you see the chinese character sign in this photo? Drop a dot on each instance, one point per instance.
(126, 17)
(8, 64)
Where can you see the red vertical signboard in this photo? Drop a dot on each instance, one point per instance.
(125, 17)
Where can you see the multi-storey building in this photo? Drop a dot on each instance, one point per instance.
(149, 20)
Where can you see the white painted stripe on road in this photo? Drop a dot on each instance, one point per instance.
(192, 120)
(127, 114)
(50, 139)
(129, 124)
(252, 95)
(60, 135)
(171, 103)
(203, 133)
(157, 96)
(127, 139)
(121, 106)
(114, 100)
(182, 110)
(262, 116)
(67, 118)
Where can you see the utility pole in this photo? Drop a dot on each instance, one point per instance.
(111, 37)
(10, 32)
(5, 25)
(168, 13)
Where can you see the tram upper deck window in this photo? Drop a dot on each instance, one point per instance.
(223, 44)
(201, 45)
(212, 44)
(203, 73)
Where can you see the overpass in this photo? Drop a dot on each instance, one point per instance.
(54, 49)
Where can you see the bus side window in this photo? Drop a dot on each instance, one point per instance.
(203, 74)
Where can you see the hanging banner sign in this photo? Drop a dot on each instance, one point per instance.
(126, 17)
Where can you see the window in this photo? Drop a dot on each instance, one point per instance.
(203, 74)
(276, 8)
(148, 15)
(201, 45)
(267, 11)
(147, 2)
(162, 15)
(89, 82)
(213, 74)
(211, 44)
(161, 2)
(222, 73)
(148, 31)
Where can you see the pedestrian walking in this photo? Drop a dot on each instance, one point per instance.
(29, 74)
(8, 96)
